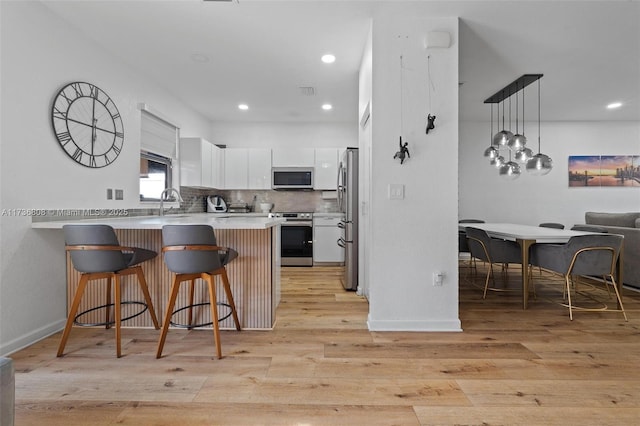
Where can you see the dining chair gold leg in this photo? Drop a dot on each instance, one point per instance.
(615, 288)
(569, 297)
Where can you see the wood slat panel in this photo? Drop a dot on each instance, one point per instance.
(250, 275)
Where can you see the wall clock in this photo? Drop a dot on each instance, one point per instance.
(87, 124)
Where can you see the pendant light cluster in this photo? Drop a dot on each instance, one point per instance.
(515, 144)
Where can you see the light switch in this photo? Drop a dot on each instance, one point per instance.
(109, 194)
(119, 194)
(396, 191)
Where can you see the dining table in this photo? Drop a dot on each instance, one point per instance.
(528, 235)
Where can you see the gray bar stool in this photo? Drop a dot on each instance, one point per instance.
(191, 252)
(97, 254)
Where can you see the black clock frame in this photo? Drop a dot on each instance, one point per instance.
(87, 124)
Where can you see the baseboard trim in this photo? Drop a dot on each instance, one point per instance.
(409, 325)
(31, 338)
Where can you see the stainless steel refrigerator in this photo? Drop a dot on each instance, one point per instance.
(348, 204)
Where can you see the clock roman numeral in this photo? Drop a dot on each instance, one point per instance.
(93, 91)
(62, 115)
(77, 155)
(78, 89)
(67, 98)
(64, 137)
(120, 135)
(92, 161)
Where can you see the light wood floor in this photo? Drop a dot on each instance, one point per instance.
(320, 366)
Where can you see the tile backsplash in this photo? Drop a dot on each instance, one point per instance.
(283, 201)
(195, 202)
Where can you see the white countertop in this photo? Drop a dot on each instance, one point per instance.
(215, 220)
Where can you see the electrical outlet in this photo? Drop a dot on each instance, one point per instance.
(119, 194)
(438, 278)
(109, 194)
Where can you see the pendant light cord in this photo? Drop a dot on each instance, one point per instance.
(538, 116)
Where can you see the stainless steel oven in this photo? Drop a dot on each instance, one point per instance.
(296, 239)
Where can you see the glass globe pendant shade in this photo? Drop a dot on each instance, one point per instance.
(502, 138)
(523, 155)
(510, 170)
(491, 153)
(517, 142)
(539, 165)
(497, 162)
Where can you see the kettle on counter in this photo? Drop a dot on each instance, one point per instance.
(216, 204)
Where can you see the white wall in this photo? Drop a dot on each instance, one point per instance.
(535, 199)
(40, 54)
(414, 237)
(282, 135)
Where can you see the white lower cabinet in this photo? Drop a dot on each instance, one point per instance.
(325, 239)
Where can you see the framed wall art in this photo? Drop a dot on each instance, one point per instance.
(604, 171)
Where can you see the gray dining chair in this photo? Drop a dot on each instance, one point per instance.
(590, 228)
(584, 255)
(463, 245)
(553, 225)
(492, 251)
(191, 252)
(96, 253)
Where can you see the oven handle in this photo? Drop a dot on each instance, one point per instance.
(297, 223)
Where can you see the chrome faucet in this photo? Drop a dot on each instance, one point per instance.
(163, 195)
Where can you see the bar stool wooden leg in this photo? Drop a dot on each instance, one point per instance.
(213, 302)
(190, 310)
(107, 313)
(147, 296)
(118, 315)
(175, 287)
(82, 285)
(227, 290)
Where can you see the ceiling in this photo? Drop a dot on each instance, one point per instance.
(261, 52)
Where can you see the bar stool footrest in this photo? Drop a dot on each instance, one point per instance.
(179, 325)
(108, 306)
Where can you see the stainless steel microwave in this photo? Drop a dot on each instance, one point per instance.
(292, 178)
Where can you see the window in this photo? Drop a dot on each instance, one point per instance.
(155, 176)
(158, 155)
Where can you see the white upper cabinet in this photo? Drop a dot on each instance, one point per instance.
(293, 157)
(200, 164)
(259, 168)
(236, 168)
(326, 169)
(247, 168)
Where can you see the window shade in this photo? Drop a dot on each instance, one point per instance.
(158, 136)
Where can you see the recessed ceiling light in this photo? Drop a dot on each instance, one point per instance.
(328, 58)
(614, 105)
(327, 107)
(199, 57)
(243, 107)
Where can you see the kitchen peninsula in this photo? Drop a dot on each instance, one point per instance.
(254, 276)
